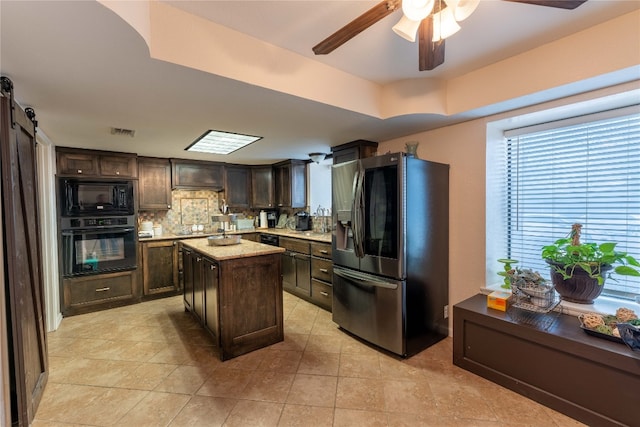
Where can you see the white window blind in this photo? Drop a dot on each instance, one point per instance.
(585, 170)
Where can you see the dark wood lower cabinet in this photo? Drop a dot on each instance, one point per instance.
(198, 286)
(250, 304)
(587, 378)
(159, 268)
(211, 279)
(239, 301)
(254, 237)
(296, 266)
(98, 292)
(296, 273)
(187, 277)
(307, 271)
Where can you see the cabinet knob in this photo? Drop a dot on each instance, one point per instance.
(79, 170)
(213, 267)
(168, 206)
(198, 259)
(117, 172)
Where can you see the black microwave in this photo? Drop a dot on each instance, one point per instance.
(82, 197)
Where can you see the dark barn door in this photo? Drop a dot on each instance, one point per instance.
(24, 305)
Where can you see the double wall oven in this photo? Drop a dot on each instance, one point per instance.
(97, 225)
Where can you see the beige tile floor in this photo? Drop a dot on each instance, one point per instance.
(151, 364)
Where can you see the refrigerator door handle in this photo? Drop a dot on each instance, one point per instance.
(364, 280)
(358, 220)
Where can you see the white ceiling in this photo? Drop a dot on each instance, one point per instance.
(84, 70)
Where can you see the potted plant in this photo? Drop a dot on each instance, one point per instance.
(578, 270)
(530, 285)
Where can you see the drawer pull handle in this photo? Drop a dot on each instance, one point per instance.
(324, 294)
(324, 270)
(103, 289)
(324, 251)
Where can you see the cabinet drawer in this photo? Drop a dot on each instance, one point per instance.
(322, 294)
(321, 269)
(295, 245)
(322, 250)
(99, 288)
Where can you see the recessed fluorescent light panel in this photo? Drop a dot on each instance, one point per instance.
(219, 142)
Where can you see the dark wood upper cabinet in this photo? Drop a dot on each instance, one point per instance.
(237, 186)
(76, 163)
(262, 187)
(120, 166)
(96, 164)
(290, 184)
(154, 183)
(189, 174)
(353, 150)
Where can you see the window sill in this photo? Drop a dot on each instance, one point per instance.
(602, 305)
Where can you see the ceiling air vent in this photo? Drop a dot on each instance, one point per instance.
(123, 132)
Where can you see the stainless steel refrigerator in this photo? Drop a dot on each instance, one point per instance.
(391, 251)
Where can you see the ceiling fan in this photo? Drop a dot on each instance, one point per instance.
(430, 39)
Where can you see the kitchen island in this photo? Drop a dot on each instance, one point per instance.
(235, 292)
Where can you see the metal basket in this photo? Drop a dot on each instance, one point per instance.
(535, 307)
(540, 299)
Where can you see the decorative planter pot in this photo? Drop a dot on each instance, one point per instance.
(580, 288)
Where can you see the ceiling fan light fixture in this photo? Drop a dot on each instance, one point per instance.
(462, 9)
(406, 28)
(417, 10)
(444, 24)
(317, 157)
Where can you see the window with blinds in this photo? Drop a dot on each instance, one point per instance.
(584, 170)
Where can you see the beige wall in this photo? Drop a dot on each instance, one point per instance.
(463, 147)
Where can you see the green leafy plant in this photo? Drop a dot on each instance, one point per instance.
(525, 278)
(568, 254)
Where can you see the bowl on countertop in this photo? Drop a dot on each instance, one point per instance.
(224, 240)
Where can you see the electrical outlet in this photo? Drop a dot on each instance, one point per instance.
(446, 311)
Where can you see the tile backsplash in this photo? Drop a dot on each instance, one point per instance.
(188, 207)
(197, 206)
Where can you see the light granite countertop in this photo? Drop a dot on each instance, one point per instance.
(305, 235)
(244, 249)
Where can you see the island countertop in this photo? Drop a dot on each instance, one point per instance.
(244, 249)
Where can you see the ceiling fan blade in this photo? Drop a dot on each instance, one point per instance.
(431, 54)
(562, 4)
(356, 26)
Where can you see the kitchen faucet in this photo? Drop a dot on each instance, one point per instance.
(320, 213)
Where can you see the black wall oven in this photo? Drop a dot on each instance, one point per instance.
(80, 197)
(95, 245)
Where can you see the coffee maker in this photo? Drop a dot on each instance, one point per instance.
(272, 218)
(303, 221)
